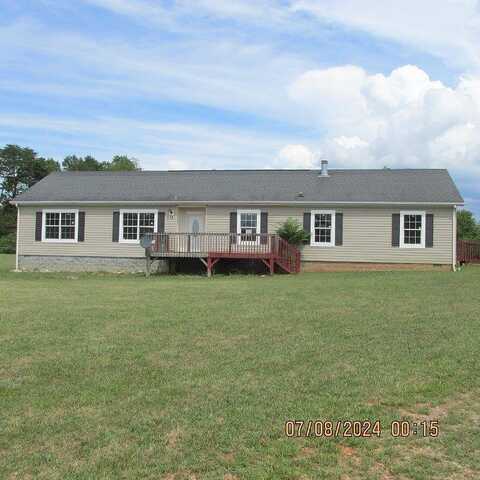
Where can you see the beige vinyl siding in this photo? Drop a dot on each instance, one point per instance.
(218, 219)
(367, 233)
(170, 222)
(98, 233)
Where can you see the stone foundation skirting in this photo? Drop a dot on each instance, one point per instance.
(54, 263)
(366, 267)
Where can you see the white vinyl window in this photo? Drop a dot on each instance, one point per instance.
(248, 225)
(322, 228)
(60, 226)
(412, 229)
(136, 223)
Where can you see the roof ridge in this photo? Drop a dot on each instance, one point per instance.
(244, 170)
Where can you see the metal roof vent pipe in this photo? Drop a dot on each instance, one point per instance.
(324, 172)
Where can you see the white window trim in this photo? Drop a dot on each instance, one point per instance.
(312, 229)
(259, 219)
(402, 229)
(59, 240)
(120, 224)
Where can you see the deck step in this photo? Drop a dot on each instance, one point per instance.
(284, 265)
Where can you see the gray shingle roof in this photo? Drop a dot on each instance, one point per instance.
(422, 186)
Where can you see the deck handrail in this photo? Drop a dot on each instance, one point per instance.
(193, 244)
(287, 255)
(468, 251)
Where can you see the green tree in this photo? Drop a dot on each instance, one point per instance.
(8, 243)
(73, 163)
(20, 168)
(8, 219)
(467, 227)
(292, 231)
(121, 163)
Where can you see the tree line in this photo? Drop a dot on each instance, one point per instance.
(22, 167)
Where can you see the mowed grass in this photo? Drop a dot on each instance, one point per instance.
(119, 376)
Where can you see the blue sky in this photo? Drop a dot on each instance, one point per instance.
(246, 84)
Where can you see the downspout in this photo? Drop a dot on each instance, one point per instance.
(18, 237)
(454, 239)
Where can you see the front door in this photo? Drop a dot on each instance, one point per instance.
(195, 224)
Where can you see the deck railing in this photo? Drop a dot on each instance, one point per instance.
(198, 244)
(288, 256)
(468, 251)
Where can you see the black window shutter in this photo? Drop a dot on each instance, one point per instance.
(429, 231)
(81, 226)
(233, 227)
(264, 227)
(116, 226)
(339, 229)
(307, 224)
(395, 229)
(161, 222)
(38, 226)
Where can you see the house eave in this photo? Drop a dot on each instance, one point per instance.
(224, 202)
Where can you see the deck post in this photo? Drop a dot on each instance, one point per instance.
(207, 264)
(148, 262)
(209, 267)
(272, 264)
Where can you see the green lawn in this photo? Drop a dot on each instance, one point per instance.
(105, 376)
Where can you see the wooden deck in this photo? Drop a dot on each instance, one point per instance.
(212, 247)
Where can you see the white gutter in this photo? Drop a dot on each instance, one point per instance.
(219, 202)
(454, 239)
(18, 238)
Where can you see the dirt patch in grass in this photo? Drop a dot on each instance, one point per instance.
(356, 466)
(182, 475)
(381, 471)
(306, 452)
(228, 457)
(173, 437)
(349, 452)
(426, 412)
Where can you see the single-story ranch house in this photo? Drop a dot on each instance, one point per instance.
(357, 218)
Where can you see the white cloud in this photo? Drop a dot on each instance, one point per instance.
(268, 13)
(296, 156)
(403, 119)
(176, 164)
(255, 10)
(449, 29)
(153, 12)
(350, 143)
